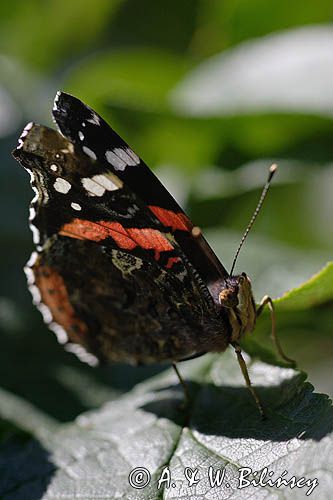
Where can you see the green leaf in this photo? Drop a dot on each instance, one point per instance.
(304, 323)
(65, 28)
(315, 291)
(139, 78)
(93, 456)
(228, 23)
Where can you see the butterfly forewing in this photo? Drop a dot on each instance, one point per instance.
(97, 139)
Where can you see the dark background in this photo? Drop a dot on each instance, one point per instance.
(209, 93)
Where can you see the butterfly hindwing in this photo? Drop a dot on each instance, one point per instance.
(118, 307)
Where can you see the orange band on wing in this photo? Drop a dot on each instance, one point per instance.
(126, 238)
(93, 231)
(54, 295)
(175, 220)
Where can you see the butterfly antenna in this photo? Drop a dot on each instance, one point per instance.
(271, 172)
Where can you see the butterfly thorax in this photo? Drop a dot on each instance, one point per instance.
(236, 296)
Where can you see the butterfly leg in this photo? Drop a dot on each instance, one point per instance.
(243, 367)
(183, 383)
(268, 301)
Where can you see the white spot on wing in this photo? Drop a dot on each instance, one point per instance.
(106, 182)
(82, 354)
(89, 152)
(32, 213)
(35, 198)
(32, 259)
(124, 156)
(92, 187)
(59, 331)
(28, 126)
(116, 161)
(128, 158)
(61, 185)
(35, 234)
(34, 188)
(94, 119)
(24, 134)
(121, 158)
(56, 99)
(46, 313)
(54, 167)
(26, 130)
(98, 184)
(30, 275)
(134, 156)
(36, 296)
(76, 206)
(32, 180)
(81, 135)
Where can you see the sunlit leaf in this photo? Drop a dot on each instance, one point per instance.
(221, 428)
(289, 71)
(315, 291)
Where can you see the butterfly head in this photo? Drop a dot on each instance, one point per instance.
(236, 296)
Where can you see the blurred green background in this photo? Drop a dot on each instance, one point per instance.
(209, 93)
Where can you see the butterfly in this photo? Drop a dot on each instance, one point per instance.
(120, 273)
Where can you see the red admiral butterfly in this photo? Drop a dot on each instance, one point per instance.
(120, 272)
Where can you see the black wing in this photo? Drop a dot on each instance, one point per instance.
(88, 131)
